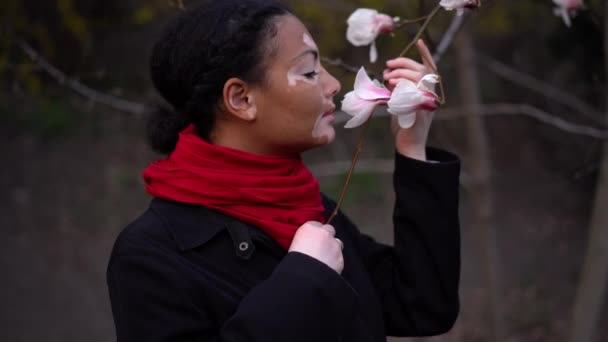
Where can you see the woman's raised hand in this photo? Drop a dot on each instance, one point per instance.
(411, 141)
(318, 241)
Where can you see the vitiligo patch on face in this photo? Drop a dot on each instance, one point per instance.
(293, 76)
(323, 128)
(309, 41)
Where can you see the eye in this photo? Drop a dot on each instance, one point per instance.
(311, 75)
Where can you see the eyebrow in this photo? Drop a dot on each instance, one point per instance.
(315, 53)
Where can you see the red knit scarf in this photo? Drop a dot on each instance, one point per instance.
(274, 193)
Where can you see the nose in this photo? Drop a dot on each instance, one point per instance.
(332, 85)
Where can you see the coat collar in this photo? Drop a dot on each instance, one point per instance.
(191, 225)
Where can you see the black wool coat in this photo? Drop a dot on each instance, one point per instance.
(182, 272)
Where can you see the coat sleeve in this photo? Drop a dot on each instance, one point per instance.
(302, 300)
(417, 280)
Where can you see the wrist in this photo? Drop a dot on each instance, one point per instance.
(414, 152)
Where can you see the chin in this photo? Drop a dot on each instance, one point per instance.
(327, 138)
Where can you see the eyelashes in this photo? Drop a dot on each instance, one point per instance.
(311, 75)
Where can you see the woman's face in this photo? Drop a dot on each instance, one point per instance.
(295, 105)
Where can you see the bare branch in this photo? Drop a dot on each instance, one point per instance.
(339, 63)
(448, 36)
(536, 113)
(73, 84)
(555, 94)
(506, 109)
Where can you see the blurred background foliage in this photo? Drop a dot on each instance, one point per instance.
(71, 177)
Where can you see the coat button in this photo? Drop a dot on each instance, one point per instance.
(243, 246)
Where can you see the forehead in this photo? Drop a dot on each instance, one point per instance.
(293, 38)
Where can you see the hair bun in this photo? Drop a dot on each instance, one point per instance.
(163, 129)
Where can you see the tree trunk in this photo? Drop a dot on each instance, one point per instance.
(480, 189)
(594, 278)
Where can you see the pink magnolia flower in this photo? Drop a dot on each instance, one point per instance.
(364, 26)
(408, 98)
(361, 102)
(459, 5)
(567, 9)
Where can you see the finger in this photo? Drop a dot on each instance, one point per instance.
(329, 228)
(314, 223)
(394, 81)
(340, 243)
(394, 124)
(399, 74)
(404, 63)
(425, 55)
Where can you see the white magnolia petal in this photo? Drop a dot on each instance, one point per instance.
(566, 16)
(351, 103)
(360, 31)
(403, 110)
(361, 117)
(407, 120)
(459, 5)
(373, 52)
(407, 98)
(428, 82)
(360, 109)
(403, 94)
(367, 90)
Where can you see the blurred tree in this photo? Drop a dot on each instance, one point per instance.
(593, 282)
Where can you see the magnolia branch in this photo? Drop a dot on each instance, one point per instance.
(73, 84)
(507, 109)
(555, 94)
(352, 168)
(444, 44)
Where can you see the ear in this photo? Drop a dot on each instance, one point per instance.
(239, 99)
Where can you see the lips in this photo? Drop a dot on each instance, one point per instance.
(330, 111)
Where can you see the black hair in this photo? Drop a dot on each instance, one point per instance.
(198, 52)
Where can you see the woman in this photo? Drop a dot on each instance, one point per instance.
(232, 247)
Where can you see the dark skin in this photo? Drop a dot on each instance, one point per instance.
(288, 114)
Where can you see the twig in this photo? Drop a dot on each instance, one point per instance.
(339, 63)
(555, 94)
(420, 31)
(403, 22)
(352, 168)
(81, 89)
(446, 41)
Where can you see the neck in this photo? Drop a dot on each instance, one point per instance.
(240, 138)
